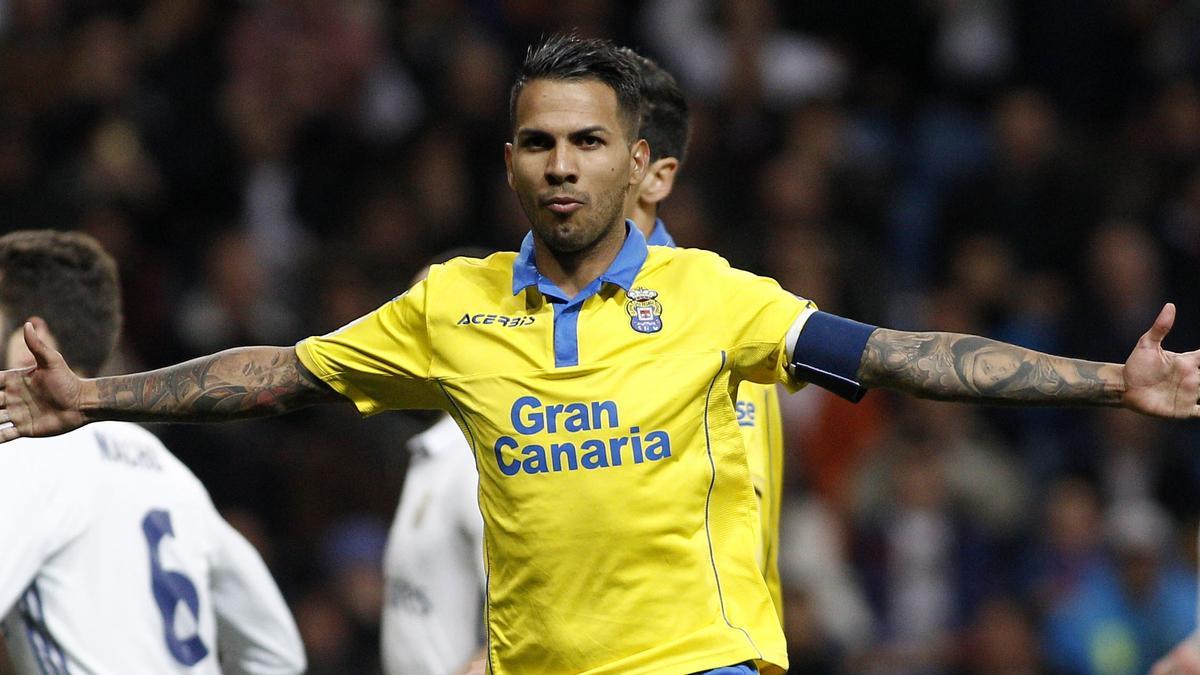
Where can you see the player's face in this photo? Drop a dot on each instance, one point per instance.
(571, 163)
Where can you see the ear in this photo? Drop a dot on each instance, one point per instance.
(639, 161)
(508, 150)
(660, 180)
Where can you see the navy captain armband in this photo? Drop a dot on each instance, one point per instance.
(826, 350)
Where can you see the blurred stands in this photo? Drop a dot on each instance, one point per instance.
(272, 169)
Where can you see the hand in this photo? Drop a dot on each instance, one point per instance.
(1158, 382)
(42, 400)
(1184, 659)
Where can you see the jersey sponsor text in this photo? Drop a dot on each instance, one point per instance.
(530, 416)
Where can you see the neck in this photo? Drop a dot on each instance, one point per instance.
(644, 215)
(573, 272)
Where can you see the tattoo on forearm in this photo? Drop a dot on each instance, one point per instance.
(235, 384)
(953, 367)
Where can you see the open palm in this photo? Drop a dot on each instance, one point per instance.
(1159, 382)
(42, 400)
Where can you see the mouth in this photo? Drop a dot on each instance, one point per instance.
(562, 205)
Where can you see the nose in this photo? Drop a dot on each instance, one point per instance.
(561, 166)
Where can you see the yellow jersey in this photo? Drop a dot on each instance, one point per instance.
(758, 417)
(621, 524)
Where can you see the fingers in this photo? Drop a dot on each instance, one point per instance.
(1162, 325)
(8, 430)
(40, 350)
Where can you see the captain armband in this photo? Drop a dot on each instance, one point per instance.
(825, 349)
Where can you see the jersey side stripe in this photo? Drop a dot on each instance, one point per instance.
(707, 503)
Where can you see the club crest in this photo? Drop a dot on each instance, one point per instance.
(644, 309)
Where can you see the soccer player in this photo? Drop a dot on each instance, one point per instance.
(665, 125)
(432, 620)
(114, 558)
(594, 377)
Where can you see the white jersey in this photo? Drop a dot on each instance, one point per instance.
(113, 560)
(433, 567)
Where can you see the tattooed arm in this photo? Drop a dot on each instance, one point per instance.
(49, 399)
(233, 384)
(954, 367)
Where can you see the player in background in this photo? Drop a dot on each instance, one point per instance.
(665, 125)
(434, 581)
(114, 560)
(613, 480)
(1183, 659)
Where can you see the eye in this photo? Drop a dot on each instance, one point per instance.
(536, 143)
(590, 142)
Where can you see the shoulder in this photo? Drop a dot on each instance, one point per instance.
(494, 269)
(70, 452)
(125, 432)
(132, 446)
(686, 257)
(700, 270)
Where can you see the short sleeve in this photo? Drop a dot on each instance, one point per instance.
(380, 361)
(760, 315)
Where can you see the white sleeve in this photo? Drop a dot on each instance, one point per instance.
(255, 629)
(41, 514)
(470, 520)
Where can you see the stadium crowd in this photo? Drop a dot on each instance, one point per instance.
(1030, 171)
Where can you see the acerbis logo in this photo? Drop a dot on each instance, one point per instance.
(495, 320)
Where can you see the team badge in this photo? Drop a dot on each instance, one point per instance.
(645, 311)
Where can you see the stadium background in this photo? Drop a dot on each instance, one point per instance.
(1027, 170)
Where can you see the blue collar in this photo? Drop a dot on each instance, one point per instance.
(622, 271)
(659, 235)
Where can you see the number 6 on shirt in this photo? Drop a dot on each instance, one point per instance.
(171, 588)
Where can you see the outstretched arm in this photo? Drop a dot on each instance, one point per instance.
(955, 367)
(50, 399)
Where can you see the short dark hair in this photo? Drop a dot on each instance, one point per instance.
(68, 280)
(665, 122)
(570, 57)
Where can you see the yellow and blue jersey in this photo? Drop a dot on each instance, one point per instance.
(621, 523)
(758, 417)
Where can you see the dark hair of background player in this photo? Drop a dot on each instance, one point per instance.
(68, 280)
(665, 123)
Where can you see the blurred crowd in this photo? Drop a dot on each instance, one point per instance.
(269, 169)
